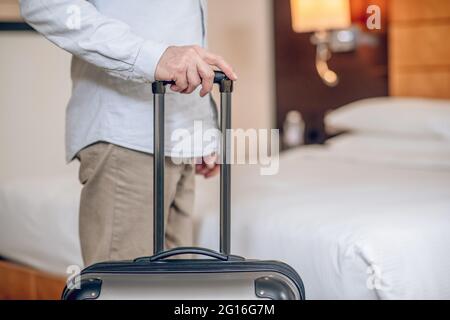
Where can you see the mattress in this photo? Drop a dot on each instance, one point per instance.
(365, 217)
(39, 222)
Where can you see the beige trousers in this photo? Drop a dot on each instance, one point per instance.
(116, 208)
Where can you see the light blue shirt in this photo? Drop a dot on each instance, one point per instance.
(116, 46)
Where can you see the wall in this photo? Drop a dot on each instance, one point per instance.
(35, 85)
(242, 32)
(419, 50)
(34, 90)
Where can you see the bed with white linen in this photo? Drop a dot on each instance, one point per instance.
(367, 216)
(39, 222)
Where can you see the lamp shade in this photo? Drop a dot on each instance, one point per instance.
(316, 15)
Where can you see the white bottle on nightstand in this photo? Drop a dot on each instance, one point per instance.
(293, 129)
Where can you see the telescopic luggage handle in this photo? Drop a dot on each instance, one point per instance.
(159, 89)
(219, 78)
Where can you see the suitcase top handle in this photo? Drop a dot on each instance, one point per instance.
(192, 250)
(159, 90)
(225, 84)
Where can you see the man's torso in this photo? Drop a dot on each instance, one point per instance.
(112, 109)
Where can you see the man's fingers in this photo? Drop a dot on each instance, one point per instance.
(209, 166)
(220, 63)
(201, 169)
(210, 161)
(181, 82)
(189, 66)
(213, 172)
(193, 79)
(207, 75)
(217, 61)
(207, 172)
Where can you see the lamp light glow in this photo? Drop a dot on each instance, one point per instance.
(314, 15)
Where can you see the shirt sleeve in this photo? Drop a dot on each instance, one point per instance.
(79, 28)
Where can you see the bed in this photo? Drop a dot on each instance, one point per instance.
(38, 235)
(39, 222)
(364, 217)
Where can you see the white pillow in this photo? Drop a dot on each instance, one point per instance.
(411, 117)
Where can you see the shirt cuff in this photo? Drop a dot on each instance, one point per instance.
(147, 60)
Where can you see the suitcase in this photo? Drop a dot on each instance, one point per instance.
(213, 276)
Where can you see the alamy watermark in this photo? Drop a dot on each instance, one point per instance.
(73, 278)
(251, 146)
(73, 21)
(374, 19)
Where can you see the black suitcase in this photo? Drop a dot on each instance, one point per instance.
(220, 276)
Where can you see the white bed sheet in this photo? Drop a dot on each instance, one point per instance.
(366, 217)
(362, 211)
(39, 222)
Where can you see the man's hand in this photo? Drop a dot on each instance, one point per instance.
(209, 166)
(190, 66)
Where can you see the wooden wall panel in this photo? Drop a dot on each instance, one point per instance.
(419, 48)
(424, 45)
(410, 10)
(430, 84)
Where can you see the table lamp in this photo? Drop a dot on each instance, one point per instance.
(321, 16)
